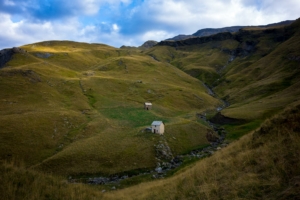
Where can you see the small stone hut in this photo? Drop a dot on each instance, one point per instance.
(147, 106)
(158, 127)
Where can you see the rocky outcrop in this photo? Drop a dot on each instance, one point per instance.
(231, 29)
(181, 37)
(212, 31)
(6, 55)
(163, 151)
(208, 32)
(197, 40)
(245, 47)
(247, 36)
(43, 55)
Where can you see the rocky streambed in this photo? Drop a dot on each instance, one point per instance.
(162, 169)
(165, 159)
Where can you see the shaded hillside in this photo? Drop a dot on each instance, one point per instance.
(268, 78)
(6, 55)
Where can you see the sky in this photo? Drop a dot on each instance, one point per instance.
(130, 22)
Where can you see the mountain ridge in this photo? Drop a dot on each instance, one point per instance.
(230, 29)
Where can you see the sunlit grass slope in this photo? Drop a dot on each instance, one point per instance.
(261, 165)
(77, 108)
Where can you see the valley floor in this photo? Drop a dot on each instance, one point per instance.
(263, 164)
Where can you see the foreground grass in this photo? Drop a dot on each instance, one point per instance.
(19, 183)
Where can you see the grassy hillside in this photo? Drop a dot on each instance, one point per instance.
(76, 108)
(202, 61)
(255, 70)
(70, 109)
(261, 165)
(263, 83)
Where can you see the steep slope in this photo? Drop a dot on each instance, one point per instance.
(270, 76)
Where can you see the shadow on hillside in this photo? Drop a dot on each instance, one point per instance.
(222, 120)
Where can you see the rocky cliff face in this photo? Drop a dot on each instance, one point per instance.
(232, 29)
(6, 55)
(208, 32)
(181, 37)
(212, 31)
(197, 40)
(247, 39)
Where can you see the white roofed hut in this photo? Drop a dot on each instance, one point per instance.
(158, 127)
(147, 106)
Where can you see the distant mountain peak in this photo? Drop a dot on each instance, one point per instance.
(148, 44)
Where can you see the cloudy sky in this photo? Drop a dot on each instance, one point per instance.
(130, 22)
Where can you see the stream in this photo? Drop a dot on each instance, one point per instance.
(163, 152)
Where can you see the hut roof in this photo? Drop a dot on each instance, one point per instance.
(156, 123)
